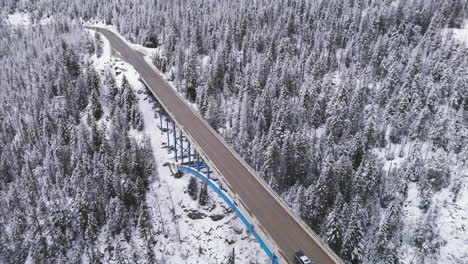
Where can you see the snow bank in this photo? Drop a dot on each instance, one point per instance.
(461, 34)
(25, 19)
(144, 50)
(452, 231)
(19, 19)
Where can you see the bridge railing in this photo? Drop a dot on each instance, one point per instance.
(219, 190)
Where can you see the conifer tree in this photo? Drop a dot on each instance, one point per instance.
(96, 108)
(203, 198)
(334, 230)
(353, 244)
(99, 44)
(193, 188)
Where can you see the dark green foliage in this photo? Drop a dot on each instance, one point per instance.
(129, 102)
(144, 222)
(113, 89)
(333, 231)
(71, 61)
(191, 79)
(178, 174)
(160, 61)
(96, 108)
(203, 198)
(353, 244)
(426, 239)
(193, 188)
(232, 257)
(99, 44)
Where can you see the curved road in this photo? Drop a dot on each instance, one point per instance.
(284, 230)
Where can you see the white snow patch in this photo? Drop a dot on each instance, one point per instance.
(450, 207)
(46, 20)
(19, 19)
(25, 19)
(450, 210)
(102, 63)
(453, 224)
(461, 34)
(205, 61)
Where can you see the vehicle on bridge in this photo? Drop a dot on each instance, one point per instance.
(300, 258)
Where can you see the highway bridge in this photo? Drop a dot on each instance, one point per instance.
(284, 233)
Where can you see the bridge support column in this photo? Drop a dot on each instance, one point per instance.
(175, 140)
(189, 155)
(167, 132)
(181, 146)
(160, 123)
(198, 161)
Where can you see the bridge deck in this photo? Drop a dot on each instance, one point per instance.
(286, 232)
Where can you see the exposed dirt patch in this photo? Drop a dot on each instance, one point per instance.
(216, 217)
(195, 215)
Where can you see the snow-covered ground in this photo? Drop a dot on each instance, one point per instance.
(451, 217)
(218, 230)
(19, 19)
(449, 210)
(26, 19)
(462, 34)
(453, 223)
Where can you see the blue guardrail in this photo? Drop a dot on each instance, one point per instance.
(249, 226)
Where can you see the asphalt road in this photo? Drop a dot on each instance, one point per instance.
(285, 231)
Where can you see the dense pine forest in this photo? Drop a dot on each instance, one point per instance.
(353, 111)
(66, 173)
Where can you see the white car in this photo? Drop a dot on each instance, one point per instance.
(300, 258)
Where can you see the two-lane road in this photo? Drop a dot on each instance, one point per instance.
(285, 231)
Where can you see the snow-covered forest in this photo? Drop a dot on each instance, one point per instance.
(79, 181)
(61, 179)
(353, 111)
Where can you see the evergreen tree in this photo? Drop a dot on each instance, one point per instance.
(96, 108)
(318, 198)
(232, 257)
(334, 230)
(203, 198)
(193, 188)
(438, 132)
(99, 44)
(353, 244)
(427, 239)
(191, 77)
(144, 221)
